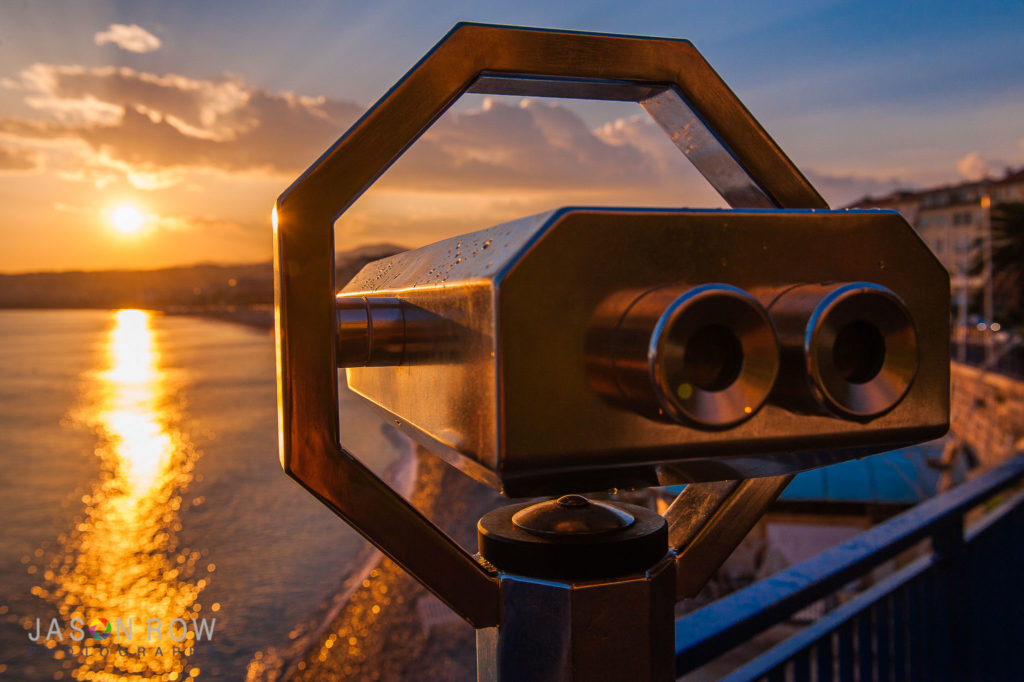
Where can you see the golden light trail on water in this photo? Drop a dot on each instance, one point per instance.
(122, 559)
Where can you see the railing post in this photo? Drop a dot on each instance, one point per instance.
(953, 591)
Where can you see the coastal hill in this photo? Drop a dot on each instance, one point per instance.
(205, 287)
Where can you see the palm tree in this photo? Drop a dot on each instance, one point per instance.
(1007, 222)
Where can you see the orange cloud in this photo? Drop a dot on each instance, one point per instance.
(524, 145)
(144, 124)
(17, 160)
(147, 128)
(151, 130)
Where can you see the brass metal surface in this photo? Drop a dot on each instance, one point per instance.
(579, 65)
(600, 541)
(372, 332)
(708, 521)
(602, 630)
(706, 356)
(538, 426)
(491, 373)
(572, 515)
(848, 348)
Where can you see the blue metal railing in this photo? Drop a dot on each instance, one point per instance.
(956, 613)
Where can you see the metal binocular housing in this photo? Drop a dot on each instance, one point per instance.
(588, 348)
(592, 348)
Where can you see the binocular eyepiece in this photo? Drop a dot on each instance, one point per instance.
(710, 356)
(706, 356)
(854, 345)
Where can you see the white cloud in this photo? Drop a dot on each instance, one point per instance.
(974, 166)
(641, 132)
(130, 37)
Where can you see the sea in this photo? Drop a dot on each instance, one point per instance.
(148, 529)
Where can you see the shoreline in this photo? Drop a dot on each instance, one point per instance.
(261, 318)
(282, 662)
(406, 476)
(391, 628)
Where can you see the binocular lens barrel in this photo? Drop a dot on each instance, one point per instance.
(705, 356)
(709, 356)
(848, 349)
(371, 331)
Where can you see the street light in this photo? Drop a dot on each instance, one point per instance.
(986, 254)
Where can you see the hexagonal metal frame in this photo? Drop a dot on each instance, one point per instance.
(668, 78)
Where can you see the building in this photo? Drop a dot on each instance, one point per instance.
(954, 221)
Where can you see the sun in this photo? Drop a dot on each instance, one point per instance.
(127, 219)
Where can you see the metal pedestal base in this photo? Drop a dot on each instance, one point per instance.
(619, 630)
(598, 602)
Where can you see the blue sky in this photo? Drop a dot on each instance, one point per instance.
(864, 97)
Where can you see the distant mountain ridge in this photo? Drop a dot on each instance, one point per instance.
(192, 287)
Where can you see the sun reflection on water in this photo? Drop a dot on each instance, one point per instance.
(132, 413)
(122, 560)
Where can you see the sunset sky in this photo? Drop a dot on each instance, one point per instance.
(146, 134)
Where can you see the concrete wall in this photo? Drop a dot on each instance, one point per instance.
(987, 413)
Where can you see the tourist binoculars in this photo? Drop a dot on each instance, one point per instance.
(588, 348)
(593, 348)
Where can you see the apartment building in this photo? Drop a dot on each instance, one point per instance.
(954, 220)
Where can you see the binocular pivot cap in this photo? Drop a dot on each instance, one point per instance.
(572, 515)
(713, 356)
(860, 346)
(572, 538)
